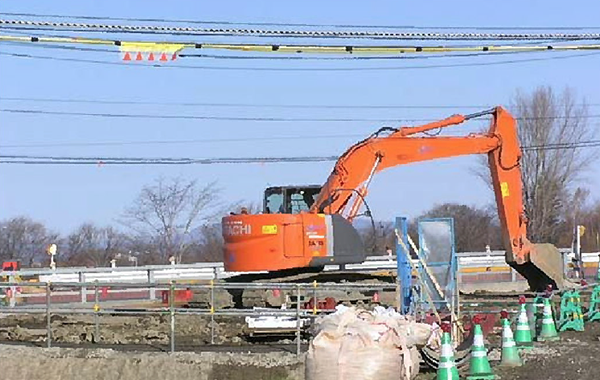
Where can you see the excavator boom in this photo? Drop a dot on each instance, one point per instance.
(324, 234)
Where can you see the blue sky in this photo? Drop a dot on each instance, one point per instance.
(65, 196)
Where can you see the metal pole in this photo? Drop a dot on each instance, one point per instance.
(212, 312)
(298, 320)
(153, 285)
(48, 321)
(83, 289)
(172, 312)
(315, 303)
(96, 315)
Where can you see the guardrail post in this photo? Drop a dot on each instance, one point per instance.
(48, 321)
(83, 288)
(298, 320)
(96, 315)
(212, 311)
(172, 313)
(152, 291)
(13, 292)
(513, 275)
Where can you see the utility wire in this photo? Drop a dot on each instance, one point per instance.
(245, 118)
(402, 56)
(247, 105)
(202, 117)
(247, 139)
(296, 69)
(244, 105)
(71, 160)
(368, 26)
(162, 29)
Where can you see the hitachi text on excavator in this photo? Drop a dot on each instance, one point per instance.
(307, 227)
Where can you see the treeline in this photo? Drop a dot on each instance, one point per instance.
(173, 219)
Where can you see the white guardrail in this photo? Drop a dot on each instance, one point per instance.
(208, 271)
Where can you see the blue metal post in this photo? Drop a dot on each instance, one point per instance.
(404, 269)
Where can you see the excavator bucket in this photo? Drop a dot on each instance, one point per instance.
(545, 267)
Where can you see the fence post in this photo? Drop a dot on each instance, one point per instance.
(298, 320)
(13, 292)
(513, 275)
(152, 291)
(172, 312)
(96, 311)
(212, 311)
(48, 321)
(315, 303)
(83, 288)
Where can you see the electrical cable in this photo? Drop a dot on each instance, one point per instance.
(247, 105)
(71, 160)
(368, 26)
(162, 29)
(296, 69)
(244, 118)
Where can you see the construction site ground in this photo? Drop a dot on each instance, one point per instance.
(575, 356)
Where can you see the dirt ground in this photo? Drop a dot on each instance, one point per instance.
(575, 356)
(115, 330)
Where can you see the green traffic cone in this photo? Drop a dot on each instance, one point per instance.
(523, 333)
(548, 331)
(479, 366)
(510, 354)
(447, 368)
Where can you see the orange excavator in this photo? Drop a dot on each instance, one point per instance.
(309, 227)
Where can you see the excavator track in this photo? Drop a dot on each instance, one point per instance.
(248, 298)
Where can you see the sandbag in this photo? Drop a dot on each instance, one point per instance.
(355, 344)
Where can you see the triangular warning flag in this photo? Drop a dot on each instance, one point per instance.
(174, 57)
(151, 57)
(127, 57)
(163, 57)
(139, 57)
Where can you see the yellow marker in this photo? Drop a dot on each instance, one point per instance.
(96, 308)
(504, 189)
(269, 230)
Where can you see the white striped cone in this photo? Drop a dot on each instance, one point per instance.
(447, 368)
(523, 334)
(510, 355)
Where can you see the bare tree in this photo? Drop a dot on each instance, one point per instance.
(474, 227)
(168, 210)
(95, 246)
(550, 126)
(24, 239)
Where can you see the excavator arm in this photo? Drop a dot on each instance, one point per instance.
(348, 183)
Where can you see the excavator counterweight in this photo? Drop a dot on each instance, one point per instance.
(309, 227)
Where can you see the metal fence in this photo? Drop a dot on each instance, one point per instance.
(53, 303)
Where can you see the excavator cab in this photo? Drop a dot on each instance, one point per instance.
(290, 199)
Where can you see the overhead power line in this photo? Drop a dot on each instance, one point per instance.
(74, 160)
(244, 118)
(245, 140)
(165, 29)
(296, 69)
(203, 117)
(249, 105)
(295, 49)
(369, 26)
